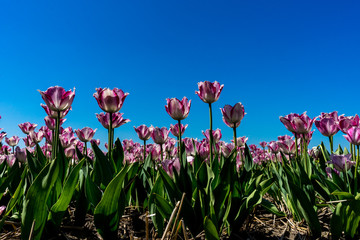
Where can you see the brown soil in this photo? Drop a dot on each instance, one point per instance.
(261, 225)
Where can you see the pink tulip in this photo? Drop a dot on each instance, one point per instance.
(143, 132)
(333, 115)
(232, 116)
(36, 137)
(241, 141)
(109, 100)
(209, 92)
(177, 109)
(27, 127)
(339, 162)
(216, 134)
(203, 150)
(20, 154)
(28, 141)
(174, 129)
(10, 159)
(70, 151)
(227, 148)
(273, 147)
(57, 99)
(263, 144)
(95, 141)
(117, 120)
(353, 135)
(2, 135)
(327, 126)
(5, 149)
(347, 122)
(160, 135)
(54, 114)
(67, 139)
(2, 208)
(296, 123)
(85, 134)
(13, 141)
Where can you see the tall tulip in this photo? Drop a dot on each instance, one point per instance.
(209, 92)
(85, 135)
(159, 136)
(232, 116)
(27, 127)
(178, 110)
(353, 136)
(328, 125)
(144, 134)
(58, 100)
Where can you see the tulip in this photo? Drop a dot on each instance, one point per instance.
(143, 132)
(209, 92)
(117, 120)
(36, 137)
(174, 129)
(216, 135)
(55, 114)
(57, 99)
(159, 136)
(95, 141)
(341, 162)
(2, 208)
(51, 122)
(2, 135)
(263, 144)
(13, 141)
(70, 152)
(10, 159)
(203, 150)
(347, 122)
(27, 127)
(227, 148)
(20, 154)
(85, 134)
(28, 141)
(110, 101)
(296, 123)
(67, 139)
(273, 147)
(327, 126)
(232, 116)
(177, 109)
(353, 135)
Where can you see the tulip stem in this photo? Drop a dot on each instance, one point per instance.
(210, 135)
(234, 130)
(296, 147)
(56, 137)
(110, 143)
(144, 150)
(356, 170)
(85, 149)
(331, 144)
(179, 143)
(161, 152)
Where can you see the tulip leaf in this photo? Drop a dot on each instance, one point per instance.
(102, 166)
(58, 209)
(92, 191)
(39, 192)
(249, 163)
(336, 223)
(271, 208)
(210, 230)
(111, 206)
(163, 206)
(118, 154)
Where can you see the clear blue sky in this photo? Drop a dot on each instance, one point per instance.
(276, 57)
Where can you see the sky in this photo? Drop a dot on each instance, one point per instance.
(275, 57)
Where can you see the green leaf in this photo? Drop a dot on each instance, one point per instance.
(352, 217)
(249, 163)
(92, 191)
(271, 208)
(102, 166)
(35, 208)
(163, 206)
(108, 212)
(344, 195)
(210, 230)
(118, 154)
(336, 223)
(58, 209)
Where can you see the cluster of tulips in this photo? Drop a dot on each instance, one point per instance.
(216, 176)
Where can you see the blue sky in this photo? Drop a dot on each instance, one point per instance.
(276, 57)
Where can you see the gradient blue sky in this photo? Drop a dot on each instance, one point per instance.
(276, 57)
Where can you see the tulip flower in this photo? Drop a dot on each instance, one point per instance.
(273, 147)
(57, 99)
(232, 116)
(341, 162)
(327, 126)
(143, 132)
(110, 101)
(85, 134)
(159, 136)
(174, 129)
(95, 141)
(2, 135)
(36, 137)
(27, 127)
(28, 141)
(67, 139)
(20, 154)
(353, 135)
(226, 149)
(216, 135)
(10, 159)
(55, 114)
(296, 123)
(209, 92)
(347, 122)
(177, 109)
(51, 122)
(117, 120)
(263, 144)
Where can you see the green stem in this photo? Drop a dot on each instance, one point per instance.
(161, 152)
(85, 149)
(296, 147)
(331, 144)
(144, 150)
(56, 137)
(110, 142)
(179, 142)
(210, 135)
(235, 142)
(356, 170)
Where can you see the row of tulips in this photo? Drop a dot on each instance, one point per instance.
(219, 184)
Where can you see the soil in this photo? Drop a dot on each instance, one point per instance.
(260, 225)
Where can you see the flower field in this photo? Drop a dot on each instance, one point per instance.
(184, 188)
